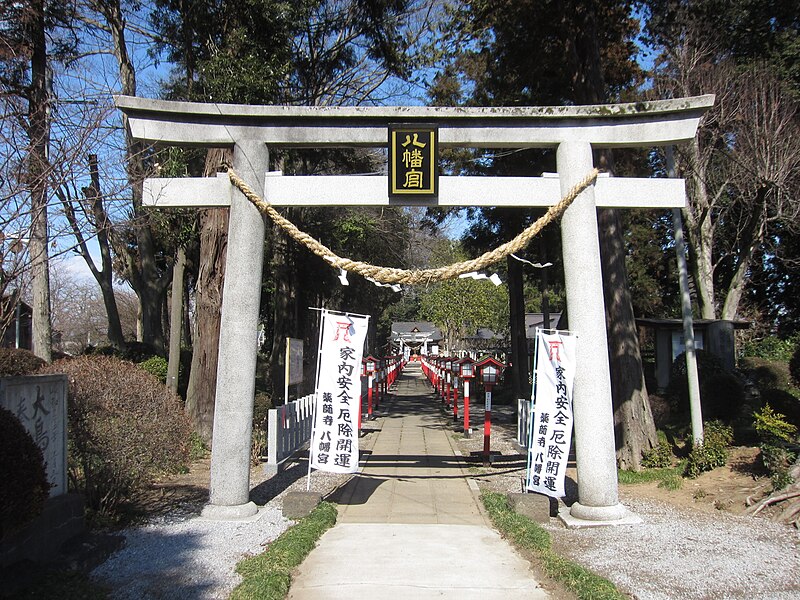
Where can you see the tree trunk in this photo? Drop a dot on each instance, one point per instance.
(141, 266)
(103, 275)
(187, 321)
(176, 321)
(151, 290)
(520, 387)
(39, 139)
(201, 393)
(282, 310)
(700, 234)
(634, 428)
(633, 420)
(750, 235)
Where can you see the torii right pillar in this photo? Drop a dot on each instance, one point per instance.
(595, 453)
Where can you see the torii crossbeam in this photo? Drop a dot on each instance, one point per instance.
(574, 131)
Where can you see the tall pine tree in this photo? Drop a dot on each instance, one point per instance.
(547, 52)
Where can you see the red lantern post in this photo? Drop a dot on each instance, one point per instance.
(443, 376)
(364, 375)
(370, 368)
(383, 377)
(467, 372)
(454, 373)
(490, 370)
(449, 374)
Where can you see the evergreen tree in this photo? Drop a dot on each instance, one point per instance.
(266, 52)
(540, 52)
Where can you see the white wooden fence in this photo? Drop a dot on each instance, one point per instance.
(288, 430)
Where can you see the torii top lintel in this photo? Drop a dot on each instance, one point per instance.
(660, 122)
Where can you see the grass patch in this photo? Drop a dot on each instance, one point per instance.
(667, 477)
(671, 482)
(269, 575)
(527, 535)
(60, 585)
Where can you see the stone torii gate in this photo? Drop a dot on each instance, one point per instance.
(574, 131)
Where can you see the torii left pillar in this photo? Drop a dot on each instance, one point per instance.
(230, 479)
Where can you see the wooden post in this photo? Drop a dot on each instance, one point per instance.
(369, 398)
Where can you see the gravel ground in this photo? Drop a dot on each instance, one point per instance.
(675, 554)
(189, 558)
(681, 555)
(180, 556)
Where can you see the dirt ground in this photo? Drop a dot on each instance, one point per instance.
(731, 488)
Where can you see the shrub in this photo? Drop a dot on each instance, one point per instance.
(136, 352)
(261, 406)
(17, 361)
(794, 365)
(766, 374)
(24, 486)
(658, 457)
(197, 447)
(772, 427)
(721, 396)
(660, 407)
(157, 366)
(713, 452)
(125, 429)
(777, 437)
(770, 348)
(146, 357)
(721, 393)
(784, 402)
(678, 388)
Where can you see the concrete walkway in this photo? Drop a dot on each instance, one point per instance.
(410, 524)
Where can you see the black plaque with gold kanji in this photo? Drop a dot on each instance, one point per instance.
(413, 161)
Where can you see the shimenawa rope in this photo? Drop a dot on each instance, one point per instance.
(414, 276)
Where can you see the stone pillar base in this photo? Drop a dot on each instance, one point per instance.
(297, 505)
(579, 516)
(237, 512)
(537, 507)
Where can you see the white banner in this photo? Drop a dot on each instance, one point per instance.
(334, 440)
(550, 434)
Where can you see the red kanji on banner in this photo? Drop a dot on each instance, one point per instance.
(553, 348)
(345, 327)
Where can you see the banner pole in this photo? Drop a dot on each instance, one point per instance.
(338, 312)
(316, 399)
(532, 409)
